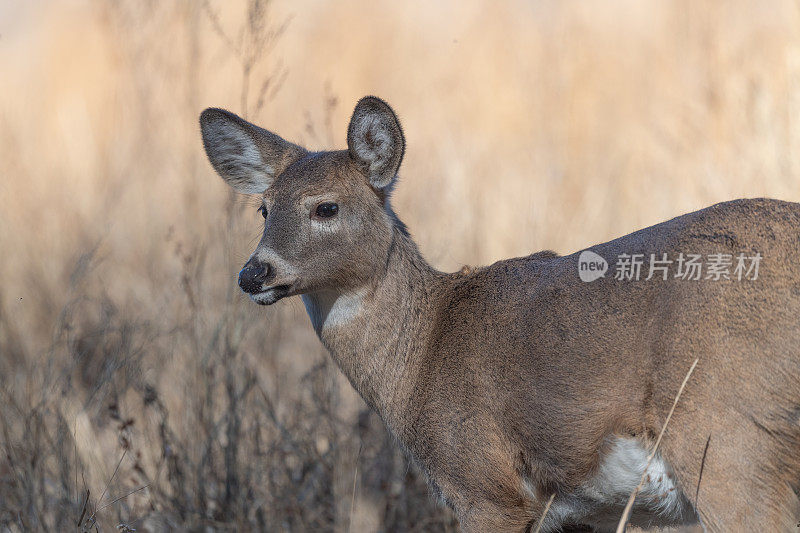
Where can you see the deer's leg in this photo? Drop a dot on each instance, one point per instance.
(487, 516)
(754, 508)
(735, 482)
(499, 505)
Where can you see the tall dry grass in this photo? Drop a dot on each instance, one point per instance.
(129, 361)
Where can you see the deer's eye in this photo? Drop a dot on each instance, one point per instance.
(263, 211)
(326, 210)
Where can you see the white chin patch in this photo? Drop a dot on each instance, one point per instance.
(268, 297)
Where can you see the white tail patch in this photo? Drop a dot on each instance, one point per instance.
(600, 502)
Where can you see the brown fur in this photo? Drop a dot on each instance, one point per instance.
(516, 374)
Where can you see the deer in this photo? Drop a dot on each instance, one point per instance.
(519, 387)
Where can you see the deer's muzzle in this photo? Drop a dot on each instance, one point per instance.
(253, 276)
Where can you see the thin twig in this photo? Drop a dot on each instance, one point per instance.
(700, 475)
(355, 477)
(124, 452)
(626, 513)
(83, 508)
(112, 502)
(75, 455)
(544, 513)
(216, 25)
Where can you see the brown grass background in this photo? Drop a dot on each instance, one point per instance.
(128, 358)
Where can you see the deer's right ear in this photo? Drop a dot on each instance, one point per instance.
(247, 157)
(375, 141)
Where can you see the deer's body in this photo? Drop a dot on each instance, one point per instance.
(512, 382)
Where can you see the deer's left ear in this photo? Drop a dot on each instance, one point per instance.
(375, 141)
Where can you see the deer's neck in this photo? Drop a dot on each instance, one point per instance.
(377, 333)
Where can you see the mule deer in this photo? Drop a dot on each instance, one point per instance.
(514, 382)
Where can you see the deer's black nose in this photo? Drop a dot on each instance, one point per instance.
(253, 276)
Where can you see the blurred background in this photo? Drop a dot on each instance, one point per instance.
(139, 389)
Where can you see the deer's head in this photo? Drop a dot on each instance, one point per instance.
(328, 224)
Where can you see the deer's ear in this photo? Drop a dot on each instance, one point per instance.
(375, 141)
(247, 157)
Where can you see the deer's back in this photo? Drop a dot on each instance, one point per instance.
(553, 364)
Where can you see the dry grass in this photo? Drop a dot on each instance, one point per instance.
(530, 126)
